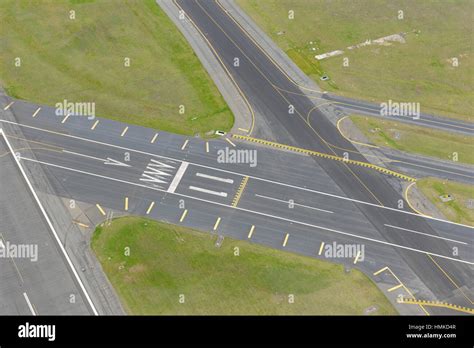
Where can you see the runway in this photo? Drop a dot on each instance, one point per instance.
(287, 200)
(263, 82)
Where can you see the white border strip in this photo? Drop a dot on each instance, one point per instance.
(89, 300)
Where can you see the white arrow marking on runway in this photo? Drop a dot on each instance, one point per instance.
(108, 160)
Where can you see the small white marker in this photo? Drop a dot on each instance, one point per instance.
(230, 142)
(244, 130)
(321, 248)
(126, 203)
(184, 145)
(36, 112)
(8, 106)
(154, 138)
(95, 124)
(65, 118)
(286, 239)
(124, 131)
(185, 212)
(207, 146)
(150, 208)
(251, 232)
(217, 223)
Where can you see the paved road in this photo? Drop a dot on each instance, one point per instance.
(365, 108)
(89, 165)
(307, 127)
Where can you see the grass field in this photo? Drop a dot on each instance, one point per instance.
(460, 209)
(419, 70)
(83, 59)
(167, 260)
(414, 139)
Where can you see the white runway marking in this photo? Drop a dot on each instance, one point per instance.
(30, 306)
(177, 178)
(108, 160)
(229, 181)
(36, 112)
(43, 211)
(8, 106)
(215, 193)
(249, 211)
(154, 138)
(287, 202)
(184, 145)
(425, 234)
(236, 173)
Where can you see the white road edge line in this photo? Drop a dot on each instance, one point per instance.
(215, 193)
(240, 174)
(30, 306)
(177, 178)
(425, 234)
(229, 181)
(287, 202)
(253, 212)
(63, 250)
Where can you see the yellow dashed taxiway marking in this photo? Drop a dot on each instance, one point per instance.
(184, 144)
(36, 112)
(185, 212)
(126, 204)
(217, 223)
(321, 248)
(251, 232)
(100, 209)
(8, 106)
(150, 208)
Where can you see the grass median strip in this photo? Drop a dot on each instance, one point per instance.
(167, 261)
(126, 56)
(415, 139)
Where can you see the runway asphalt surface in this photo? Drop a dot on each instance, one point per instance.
(287, 201)
(37, 281)
(263, 84)
(89, 166)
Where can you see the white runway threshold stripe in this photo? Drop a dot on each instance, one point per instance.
(210, 177)
(50, 224)
(30, 306)
(177, 178)
(215, 193)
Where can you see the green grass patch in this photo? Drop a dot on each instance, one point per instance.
(419, 70)
(415, 139)
(460, 209)
(82, 59)
(166, 261)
